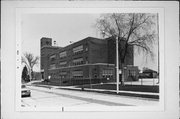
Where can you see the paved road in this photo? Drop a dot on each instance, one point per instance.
(46, 98)
(67, 98)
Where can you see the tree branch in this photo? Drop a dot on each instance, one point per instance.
(144, 21)
(116, 21)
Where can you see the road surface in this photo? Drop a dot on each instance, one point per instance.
(41, 97)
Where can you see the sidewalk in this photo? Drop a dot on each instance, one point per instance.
(100, 97)
(143, 81)
(149, 95)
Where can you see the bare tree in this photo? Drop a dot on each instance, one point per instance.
(134, 29)
(30, 60)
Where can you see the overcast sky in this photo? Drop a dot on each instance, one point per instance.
(64, 28)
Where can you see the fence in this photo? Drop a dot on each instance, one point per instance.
(144, 81)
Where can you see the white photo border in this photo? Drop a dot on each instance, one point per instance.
(21, 11)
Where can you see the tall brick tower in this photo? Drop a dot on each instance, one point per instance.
(46, 42)
(46, 48)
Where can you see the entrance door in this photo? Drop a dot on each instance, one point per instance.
(42, 75)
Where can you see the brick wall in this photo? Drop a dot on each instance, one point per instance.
(95, 51)
(98, 51)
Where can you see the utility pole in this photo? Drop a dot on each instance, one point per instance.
(117, 66)
(158, 45)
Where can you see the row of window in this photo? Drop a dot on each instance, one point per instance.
(63, 73)
(52, 58)
(52, 66)
(53, 75)
(132, 73)
(107, 76)
(75, 74)
(77, 61)
(107, 72)
(79, 73)
(78, 49)
(63, 63)
(63, 54)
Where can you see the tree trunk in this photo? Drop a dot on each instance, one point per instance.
(123, 75)
(30, 74)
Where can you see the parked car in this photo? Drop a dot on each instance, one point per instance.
(24, 91)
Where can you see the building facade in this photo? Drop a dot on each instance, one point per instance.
(90, 60)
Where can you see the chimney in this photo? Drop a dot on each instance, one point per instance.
(54, 43)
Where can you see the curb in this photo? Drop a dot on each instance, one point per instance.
(112, 92)
(122, 93)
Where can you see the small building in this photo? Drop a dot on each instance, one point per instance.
(148, 73)
(131, 73)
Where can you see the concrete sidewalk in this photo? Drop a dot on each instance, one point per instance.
(101, 97)
(121, 92)
(142, 81)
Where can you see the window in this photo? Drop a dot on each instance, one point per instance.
(47, 43)
(63, 63)
(86, 60)
(62, 74)
(77, 74)
(63, 54)
(52, 58)
(78, 49)
(132, 73)
(107, 73)
(78, 61)
(52, 66)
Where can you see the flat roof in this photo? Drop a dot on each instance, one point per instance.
(70, 45)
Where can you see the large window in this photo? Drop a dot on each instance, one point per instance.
(78, 61)
(52, 57)
(63, 54)
(107, 73)
(78, 49)
(132, 73)
(52, 66)
(62, 74)
(77, 74)
(63, 63)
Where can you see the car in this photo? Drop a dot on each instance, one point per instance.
(24, 91)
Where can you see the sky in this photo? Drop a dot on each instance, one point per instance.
(64, 28)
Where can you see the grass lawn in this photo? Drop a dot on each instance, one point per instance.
(137, 88)
(47, 83)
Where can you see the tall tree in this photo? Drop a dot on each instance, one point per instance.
(25, 74)
(30, 60)
(134, 29)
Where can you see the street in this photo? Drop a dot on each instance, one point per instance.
(43, 98)
(55, 97)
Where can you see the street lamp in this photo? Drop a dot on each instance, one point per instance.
(117, 64)
(117, 67)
